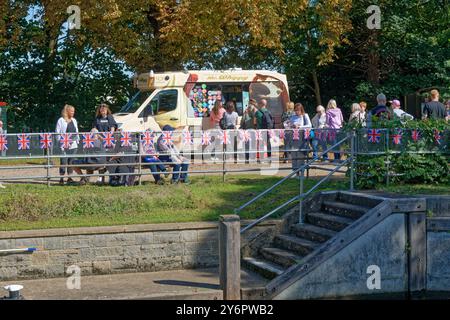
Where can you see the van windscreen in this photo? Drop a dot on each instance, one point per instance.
(135, 102)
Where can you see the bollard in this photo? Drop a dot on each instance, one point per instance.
(230, 256)
(14, 292)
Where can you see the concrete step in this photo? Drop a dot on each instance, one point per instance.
(279, 256)
(301, 246)
(267, 269)
(311, 232)
(343, 209)
(360, 199)
(328, 221)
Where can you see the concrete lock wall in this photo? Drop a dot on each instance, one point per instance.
(438, 244)
(345, 274)
(118, 249)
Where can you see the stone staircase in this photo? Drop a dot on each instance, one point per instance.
(322, 222)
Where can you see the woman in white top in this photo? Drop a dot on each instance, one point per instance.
(357, 115)
(300, 120)
(319, 122)
(67, 124)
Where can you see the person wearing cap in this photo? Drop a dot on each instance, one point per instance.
(398, 112)
(170, 154)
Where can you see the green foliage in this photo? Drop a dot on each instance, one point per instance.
(419, 162)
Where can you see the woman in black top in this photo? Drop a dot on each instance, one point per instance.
(104, 121)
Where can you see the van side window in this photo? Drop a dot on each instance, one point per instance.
(167, 101)
(163, 102)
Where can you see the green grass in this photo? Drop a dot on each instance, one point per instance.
(30, 206)
(26, 206)
(426, 189)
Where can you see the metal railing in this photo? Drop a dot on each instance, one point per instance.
(301, 173)
(250, 153)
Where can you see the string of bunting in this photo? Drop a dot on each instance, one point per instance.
(149, 138)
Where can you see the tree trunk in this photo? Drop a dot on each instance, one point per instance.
(373, 68)
(316, 87)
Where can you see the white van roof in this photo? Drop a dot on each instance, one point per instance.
(144, 81)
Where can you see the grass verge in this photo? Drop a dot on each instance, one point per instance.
(26, 206)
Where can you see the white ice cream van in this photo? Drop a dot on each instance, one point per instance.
(184, 99)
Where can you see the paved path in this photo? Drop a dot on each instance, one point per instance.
(201, 284)
(26, 174)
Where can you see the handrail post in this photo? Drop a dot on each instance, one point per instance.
(140, 160)
(352, 163)
(300, 196)
(230, 256)
(48, 166)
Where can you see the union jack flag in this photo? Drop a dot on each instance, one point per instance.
(437, 136)
(307, 133)
(65, 140)
(244, 135)
(259, 135)
(45, 140)
(125, 139)
(296, 134)
(331, 134)
(147, 138)
(397, 137)
(167, 137)
(188, 138)
(108, 140)
(415, 135)
(206, 138)
(23, 141)
(374, 135)
(225, 137)
(321, 135)
(3, 142)
(88, 141)
(272, 133)
(281, 133)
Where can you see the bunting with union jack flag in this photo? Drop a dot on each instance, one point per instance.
(259, 135)
(281, 134)
(415, 135)
(225, 137)
(3, 142)
(188, 138)
(45, 140)
(167, 137)
(125, 139)
(374, 135)
(437, 136)
(23, 141)
(244, 135)
(307, 133)
(296, 134)
(148, 138)
(397, 137)
(331, 135)
(66, 140)
(88, 141)
(206, 138)
(108, 140)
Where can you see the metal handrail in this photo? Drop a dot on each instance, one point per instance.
(303, 167)
(301, 196)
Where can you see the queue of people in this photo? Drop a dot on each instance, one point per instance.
(256, 116)
(121, 164)
(294, 117)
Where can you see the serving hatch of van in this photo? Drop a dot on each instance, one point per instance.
(185, 99)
